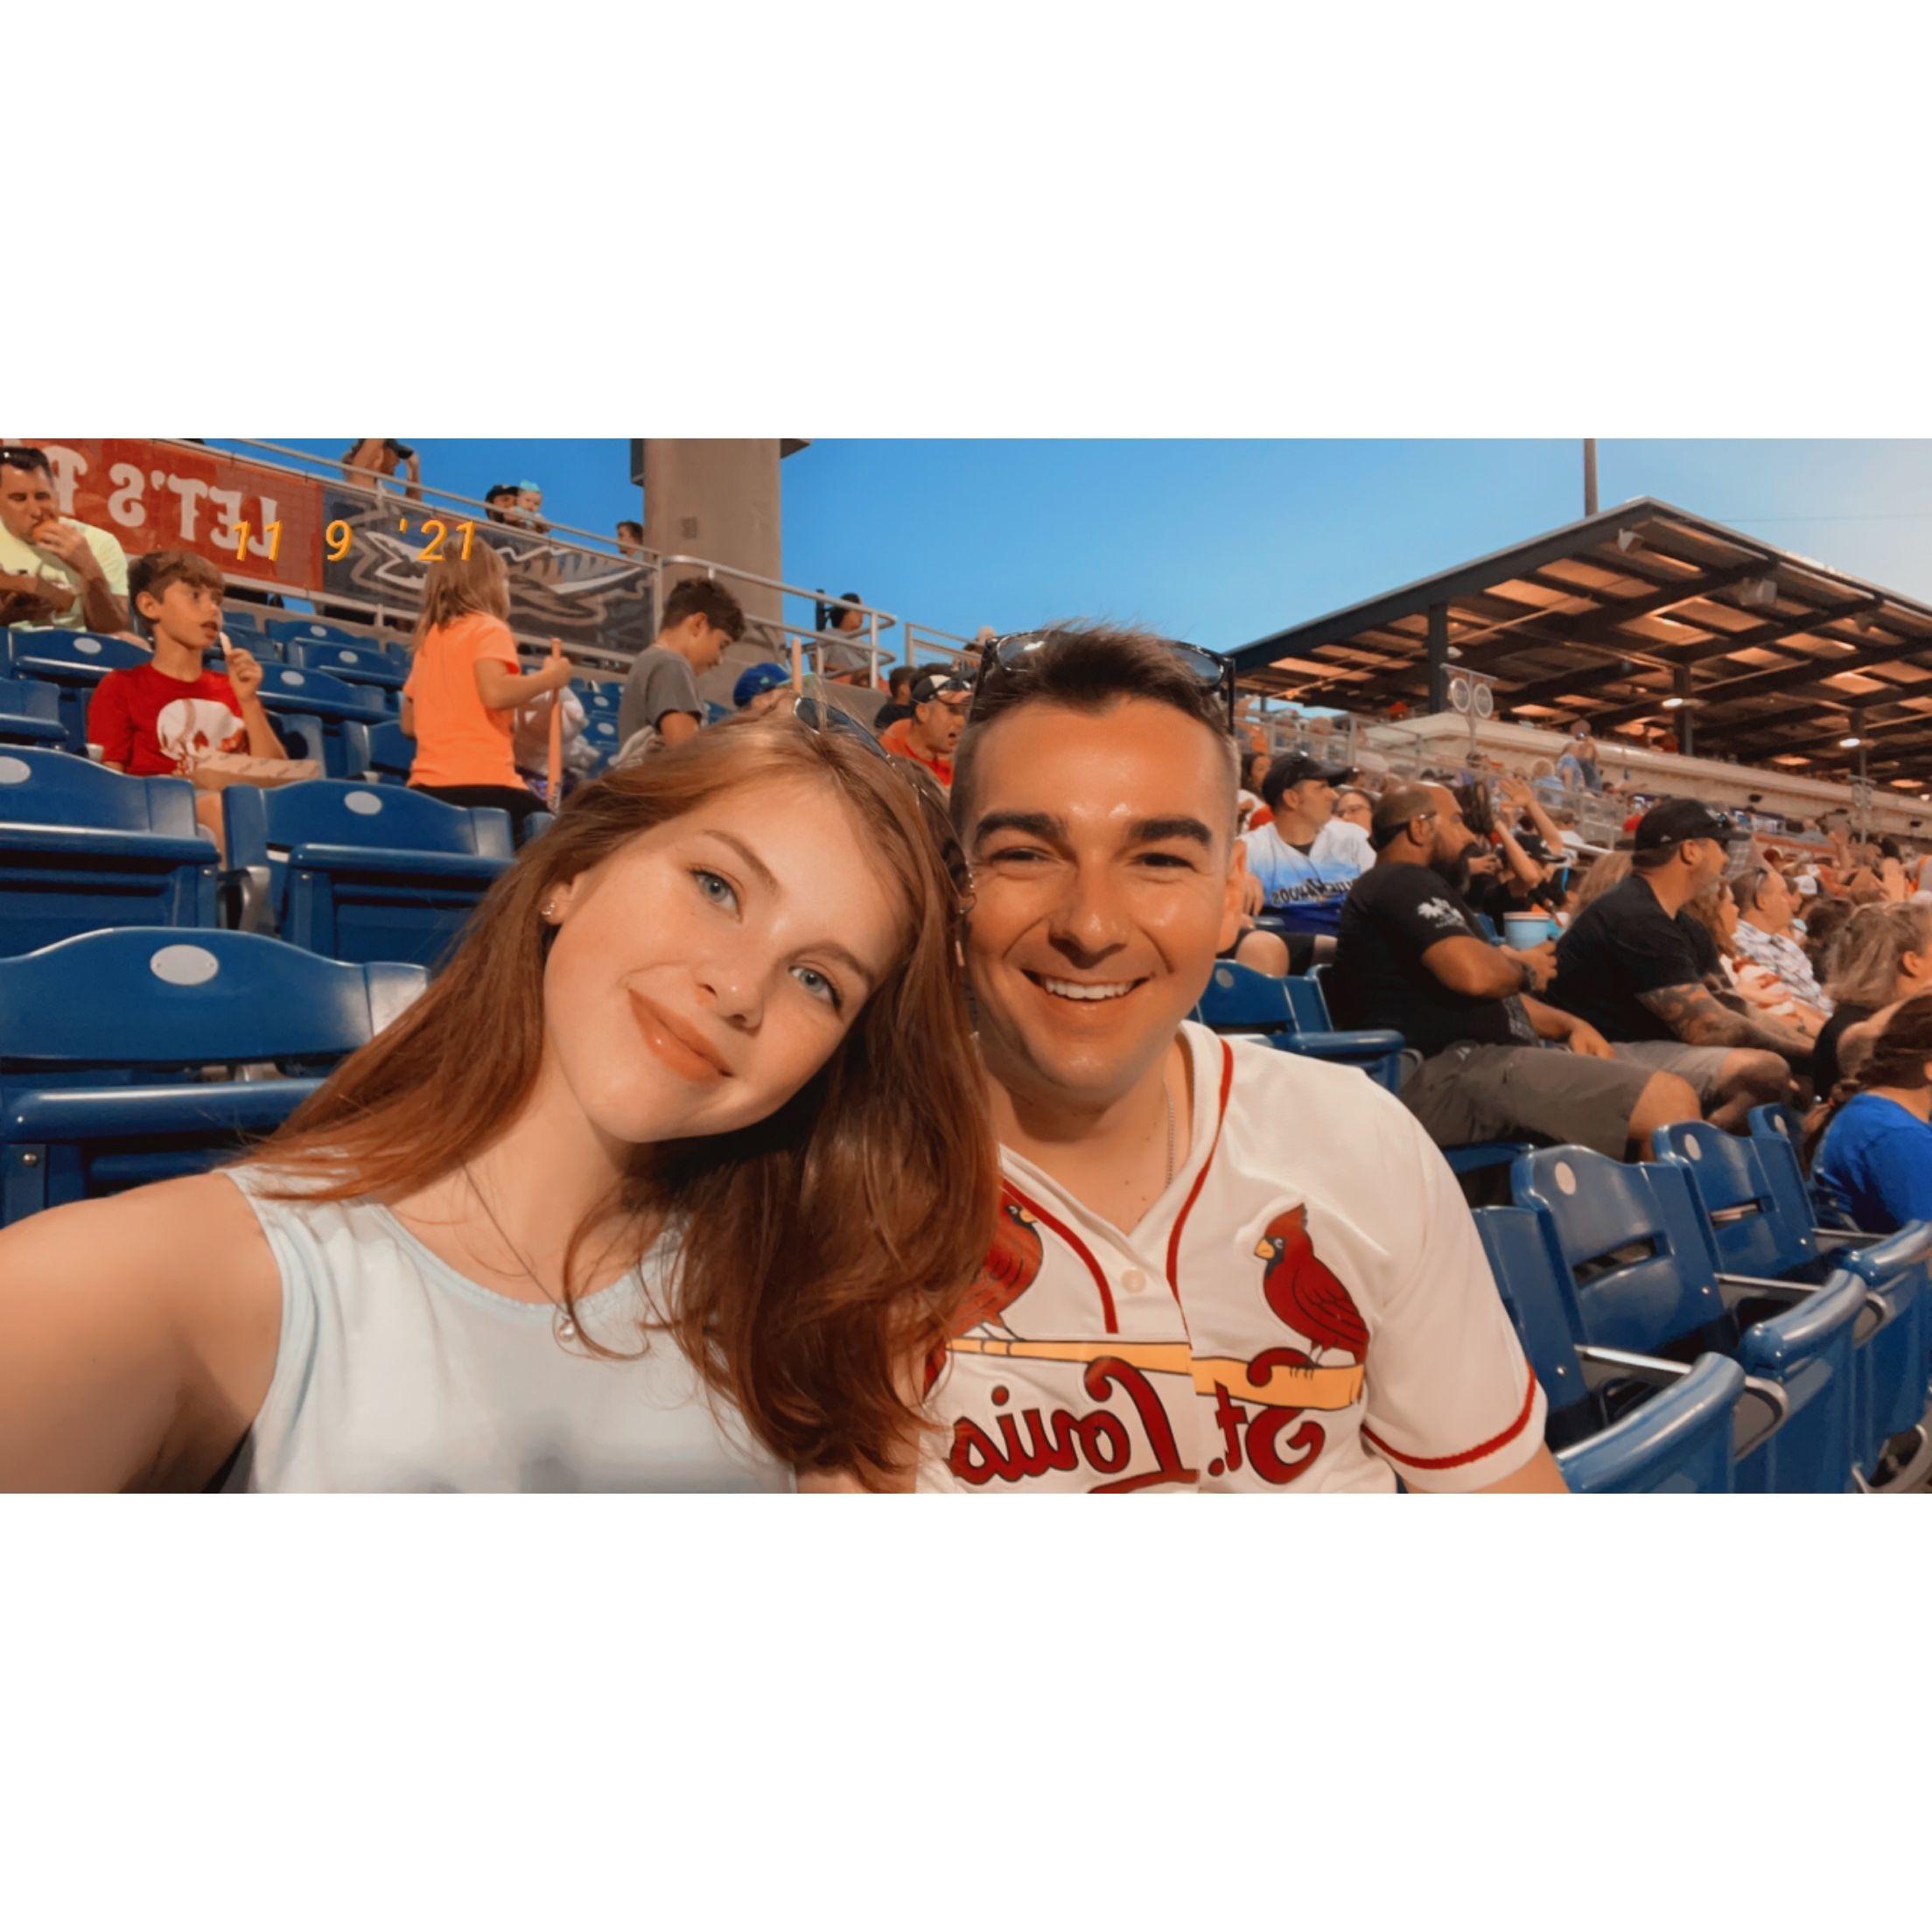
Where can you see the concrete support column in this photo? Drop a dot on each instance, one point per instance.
(716, 498)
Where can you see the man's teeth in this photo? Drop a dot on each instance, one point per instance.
(1074, 989)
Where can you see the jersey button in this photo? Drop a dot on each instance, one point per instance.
(1133, 1281)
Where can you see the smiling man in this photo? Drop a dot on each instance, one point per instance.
(1217, 1266)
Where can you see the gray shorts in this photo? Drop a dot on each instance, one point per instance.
(1703, 1067)
(1502, 1093)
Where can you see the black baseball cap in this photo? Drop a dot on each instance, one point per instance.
(1677, 819)
(1297, 768)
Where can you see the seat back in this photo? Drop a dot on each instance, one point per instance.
(106, 1039)
(1678, 1438)
(328, 812)
(359, 871)
(1644, 1275)
(1749, 1223)
(1535, 1287)
(316, 630)
(288, 687)
(1236, 998)
(82, 847)
(379, 751)
(29, 712)
(1777, 1132)
(73, 662)
(358, 661)
(1307, 1004)
(140, 1002)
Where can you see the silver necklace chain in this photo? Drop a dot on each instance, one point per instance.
(1167, 1093)
(565, 1326)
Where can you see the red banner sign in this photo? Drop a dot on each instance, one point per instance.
(155, 495)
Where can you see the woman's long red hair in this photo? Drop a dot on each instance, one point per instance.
(822, 1251)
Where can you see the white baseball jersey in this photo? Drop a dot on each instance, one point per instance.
(1307, 1305)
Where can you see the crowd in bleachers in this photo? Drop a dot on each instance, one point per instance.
(1614, 1047)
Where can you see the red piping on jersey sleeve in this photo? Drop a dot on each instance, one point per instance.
(1193, 1193)
(1476, 1454)
(1078, 1246)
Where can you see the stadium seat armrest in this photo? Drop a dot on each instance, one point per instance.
(1767, 1286)
(1625, 1365)
(253, 885)
(1843, 1237)
(399, 863)
(1656, 1436)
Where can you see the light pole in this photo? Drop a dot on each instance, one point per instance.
(1589, 476)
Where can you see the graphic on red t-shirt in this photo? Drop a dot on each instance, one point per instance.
(152, 726)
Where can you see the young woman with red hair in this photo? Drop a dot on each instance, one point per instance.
(661, 1183)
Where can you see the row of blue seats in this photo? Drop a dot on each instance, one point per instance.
(1292, 1014)
(351, 872)
(1694, 1327)
(321, 687)
(108, 1041)
(1611, 1272)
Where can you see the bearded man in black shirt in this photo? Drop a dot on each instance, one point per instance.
(1495, 1063)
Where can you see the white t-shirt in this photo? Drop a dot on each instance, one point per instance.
(1342, 839)
(1304, 890)
(1306, 1305)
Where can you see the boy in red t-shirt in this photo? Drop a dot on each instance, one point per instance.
(160, 718)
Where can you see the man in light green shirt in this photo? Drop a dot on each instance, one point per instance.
(54, 572)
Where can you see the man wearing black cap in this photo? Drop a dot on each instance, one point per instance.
(1301, 889)
(1637, 967)
(939, 704)
(1412, 957)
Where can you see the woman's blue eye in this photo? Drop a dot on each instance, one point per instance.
(722, 896)
(817, 985)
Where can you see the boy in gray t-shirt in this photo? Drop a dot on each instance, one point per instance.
(661, 705)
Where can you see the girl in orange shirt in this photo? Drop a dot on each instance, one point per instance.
(464, 686)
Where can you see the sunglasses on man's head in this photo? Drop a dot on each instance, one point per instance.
(1001, 656)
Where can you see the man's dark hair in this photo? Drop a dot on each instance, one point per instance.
(899, 680)
(636, 530)
(23, 456)
(497, 491)
(1089, 668)
(700, 596)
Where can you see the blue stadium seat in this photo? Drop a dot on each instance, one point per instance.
(363, 872)
(535, 826)
(357, 662)
(315, 694)
(1644, 1278)
(317, 630)
(107, 1041)
(82, 847)
(30, 714)
(381, 752)
(263, 650)
(1678, 1439)
(600, 728)
(241, 620)
(600, 699)
(73, 662)
(1238, 1000)
(304, 737)
(1766, 1247)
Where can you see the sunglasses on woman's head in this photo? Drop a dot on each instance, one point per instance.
(1000, 657)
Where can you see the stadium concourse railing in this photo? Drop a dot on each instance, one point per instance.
(885, 638)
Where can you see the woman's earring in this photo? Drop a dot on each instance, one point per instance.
(549, 911)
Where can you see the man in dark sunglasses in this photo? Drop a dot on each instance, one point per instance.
(1217, 1266)
(939, 704)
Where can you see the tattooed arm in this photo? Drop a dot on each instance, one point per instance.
(1699, 1019)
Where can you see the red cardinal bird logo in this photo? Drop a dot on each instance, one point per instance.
(1305, 1293)
(1010, 1269)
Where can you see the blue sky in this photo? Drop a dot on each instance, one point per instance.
(1224, 541)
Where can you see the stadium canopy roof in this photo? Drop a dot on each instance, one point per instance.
(1777, 658)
